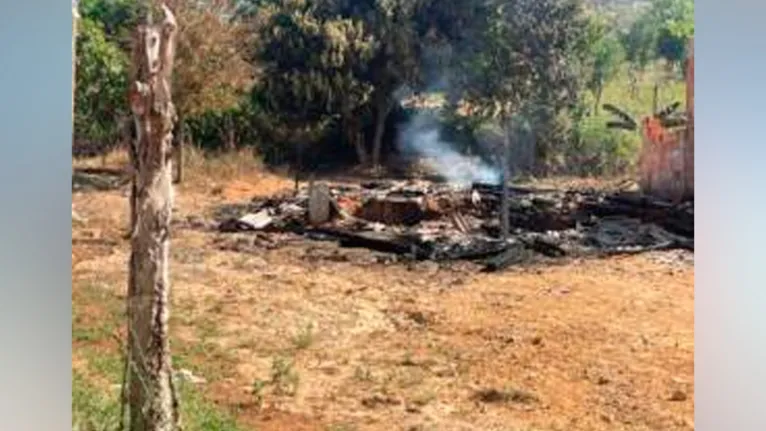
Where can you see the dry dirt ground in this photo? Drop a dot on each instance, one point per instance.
(286, 340)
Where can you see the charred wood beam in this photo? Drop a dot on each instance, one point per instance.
(371, 241)
(672, 218)
(633, 250)
(496, 189)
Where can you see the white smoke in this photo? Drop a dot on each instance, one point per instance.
(421, 137)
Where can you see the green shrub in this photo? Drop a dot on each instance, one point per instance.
(599, 150)
(101, 88)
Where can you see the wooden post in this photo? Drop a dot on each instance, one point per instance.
(151, 400)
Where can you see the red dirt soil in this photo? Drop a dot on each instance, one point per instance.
(587, 345)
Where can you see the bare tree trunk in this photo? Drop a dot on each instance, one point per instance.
(355, 138)
(299, 167)
(597, 104)
(384, 108)
(226, 135)
(231, 136)
(634, 89)
(361, 151)
(179, 149)
(151, 399)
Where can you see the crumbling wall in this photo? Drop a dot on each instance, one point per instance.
(667, 157)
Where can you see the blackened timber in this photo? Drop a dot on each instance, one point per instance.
(373, 241)
(673, 218)
(496, 189)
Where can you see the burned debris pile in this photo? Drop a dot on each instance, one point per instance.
(433, 221)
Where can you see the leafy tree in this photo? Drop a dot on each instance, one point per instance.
(100, 92)
(118, 18)
(412, 43)
(248, 9)
(396, 52)
(639, 42)
(211, 68)
(531, 66)
(313, 71)
(676, 18)
(606, 54)
(211, 71)
(662, 31)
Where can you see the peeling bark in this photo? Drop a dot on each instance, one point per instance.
(151, 400)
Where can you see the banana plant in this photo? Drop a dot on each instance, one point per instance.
(668, 116)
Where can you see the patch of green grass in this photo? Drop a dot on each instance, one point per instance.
(96, 410)
(87, 334)
(199, 414)
(618, 91)
(91, 409)
(284, 378)
(204, 352)
(111, 366)
(257, 391)
(207, 327)
(284, 381)
(99, 293)
(363, 374)
(91, 294)
(605, 151)
(304, 338)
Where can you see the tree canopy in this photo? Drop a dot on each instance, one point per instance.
(661, 32)
(100, 94)
(316, 68)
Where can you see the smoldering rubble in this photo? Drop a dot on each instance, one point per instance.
(421, 220)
